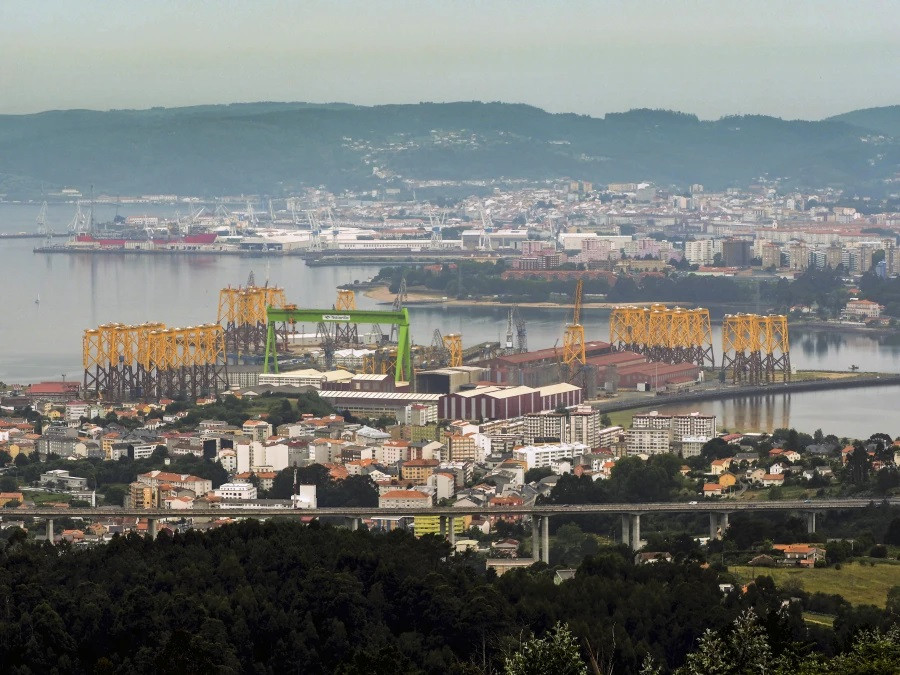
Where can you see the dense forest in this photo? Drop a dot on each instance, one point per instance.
(270, 147)
(279, 597)
(820, 288)
(484, 279)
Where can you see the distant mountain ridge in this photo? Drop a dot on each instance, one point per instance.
(269, 148)
(885, 120)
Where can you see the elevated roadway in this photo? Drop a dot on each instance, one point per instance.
(540, 515)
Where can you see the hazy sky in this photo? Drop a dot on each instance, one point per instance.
(791, 58)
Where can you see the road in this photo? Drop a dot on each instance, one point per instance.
(374, 512)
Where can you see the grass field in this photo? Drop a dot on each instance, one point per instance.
(858, 584)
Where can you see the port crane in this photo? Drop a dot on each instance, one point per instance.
(521, 330)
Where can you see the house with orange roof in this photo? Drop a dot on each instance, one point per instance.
(720, 466)
(712, 490)
(804, 555)
(772, 480)
(336, 471)
(6, 497)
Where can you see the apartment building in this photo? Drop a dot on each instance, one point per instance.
(699, 252)
(538, 456)
(648, 441)
(581, 425)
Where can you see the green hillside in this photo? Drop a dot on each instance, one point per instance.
(272, 147)
(884, 120)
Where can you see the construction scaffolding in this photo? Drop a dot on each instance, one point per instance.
(573, 337)
(150, 361)
(756, 348)
(670, 335)
(346, 335)
(453, 345)
(242, 315)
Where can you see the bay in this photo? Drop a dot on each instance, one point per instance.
(43, 340)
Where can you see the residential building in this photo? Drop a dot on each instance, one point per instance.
(691, 446)
(61, 478)
(862, 309)
(648, 441)
(418, 470)
(404, 499)
(243, 491)
(537, 456)
(199, 486)
(462, 448)
(700, 252)
(257, 430)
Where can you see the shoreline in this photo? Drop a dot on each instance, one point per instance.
(382, 295)
(732, 392)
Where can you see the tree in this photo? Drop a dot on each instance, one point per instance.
(8, 484)
(22, 460)
(858, 465)
(12, 504)
(556, 653)
(536, 474)
(745, 650)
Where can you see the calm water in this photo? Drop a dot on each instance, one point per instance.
(39, 341)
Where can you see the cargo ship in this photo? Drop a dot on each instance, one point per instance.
(86, 240)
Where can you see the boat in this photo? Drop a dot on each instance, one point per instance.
(90, 241)
(37, 300)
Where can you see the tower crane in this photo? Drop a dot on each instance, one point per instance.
(487, 228)
(42, 222)
(573, 338)
(508, 346)
(521, 331)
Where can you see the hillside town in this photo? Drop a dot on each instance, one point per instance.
(417, 459)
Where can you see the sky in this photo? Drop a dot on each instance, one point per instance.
(792, 59)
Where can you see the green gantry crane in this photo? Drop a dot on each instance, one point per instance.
(290, 315)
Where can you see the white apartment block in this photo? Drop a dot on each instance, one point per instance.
(608, 437)
(700, 252)
(538, 456)
(581, 425)
(651, 420)
(236, 491)
(692, 424)
(648, 441)
(419, 415)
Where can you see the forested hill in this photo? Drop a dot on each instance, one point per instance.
(885, 120)
(271, 147)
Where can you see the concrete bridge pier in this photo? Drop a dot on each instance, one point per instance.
(152, 527)
(545, 539)
(535, 538)
(810, 522)
(631, 530)
(718, 523)
(452, 536)
(442, 525)
(353, 524)
(50, 530)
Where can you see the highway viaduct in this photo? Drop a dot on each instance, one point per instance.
(540, 514)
